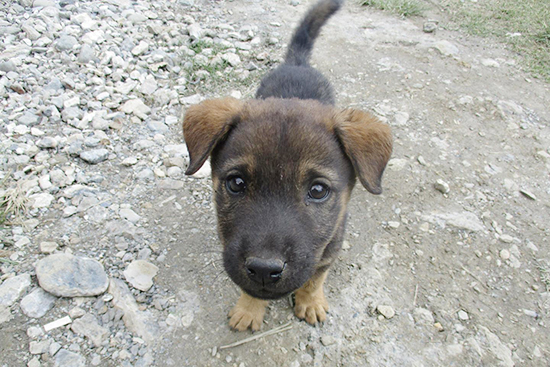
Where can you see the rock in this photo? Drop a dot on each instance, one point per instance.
(149, 85)
(140, 274)
(231, 58)
(47, 247)
(5, 314)
(386, 311)
(442, 186)
(7, 66)
(423, 316)
(204, 172)
(195, 31)
(42, 200)
(141, 48)
(397, 164)
(39, 347)
(130, 215)
(464, 220)
(429, 27)
(490, 63)
(94, 156)
(65, 275)
(12, 288)
(136, 107)
(86, 54)
(495, 347)
(462, 315)
(64, 358)
(37, 303)
(28, 119)
(66, 43)
(446, 48)
(46, 143)
(143, 323)
(88, 326)
(401, 118)
(327, 340)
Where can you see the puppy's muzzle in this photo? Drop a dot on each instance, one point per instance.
(264, 271)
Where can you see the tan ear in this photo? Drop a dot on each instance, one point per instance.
(367, 143)
(205, 125)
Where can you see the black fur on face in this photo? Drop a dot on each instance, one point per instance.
(281, 186)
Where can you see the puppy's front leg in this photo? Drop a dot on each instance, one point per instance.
(248, 312)
(311, 303)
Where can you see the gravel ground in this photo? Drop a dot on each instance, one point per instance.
(112, 257)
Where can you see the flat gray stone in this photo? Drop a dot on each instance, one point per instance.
(65, 275)
(12, 288)
(88, 326)
(66, 43)
(37, 303)
(64, 358)
(143, 323)
(94, 156)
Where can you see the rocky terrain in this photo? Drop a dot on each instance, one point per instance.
(110, 255)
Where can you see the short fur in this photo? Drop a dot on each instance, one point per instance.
(280, 148)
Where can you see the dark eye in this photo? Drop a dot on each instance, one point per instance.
(235, 184)
(318, 192)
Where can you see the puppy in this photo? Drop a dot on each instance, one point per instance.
(283, 168)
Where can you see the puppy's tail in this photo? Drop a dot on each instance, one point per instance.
(304, 37)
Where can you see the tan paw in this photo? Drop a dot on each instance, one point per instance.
(247, 313)
(311, 308)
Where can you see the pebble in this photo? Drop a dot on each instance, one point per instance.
(462, 315)
(446, 48)
(94, 156)
(423, 316)
(140, 274)
(386, 311)
(89, 327)
(65, 358)
(12, 288)
(65, 275)
(442, 186)
(37, 303)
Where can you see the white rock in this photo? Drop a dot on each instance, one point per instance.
(42, 200)
(462, 315)
(47, 247)
(135, 106)
(140, 48)
(142, 323)
(204, 172)
(37, 303)
(446, 48)
(130, 215)
(88, 326)
(12, 288)
(386, 311)
(5, 314)
(140, 274)
(64, 358)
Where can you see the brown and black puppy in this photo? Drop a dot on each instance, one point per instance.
(283, 168)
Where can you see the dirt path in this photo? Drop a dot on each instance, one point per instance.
(460, 269)
(450, 266)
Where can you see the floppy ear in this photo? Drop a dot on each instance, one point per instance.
(368, 144)
(205, 125)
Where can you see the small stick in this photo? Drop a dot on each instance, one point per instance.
(474, 276)
(415, 295)
(279, 329)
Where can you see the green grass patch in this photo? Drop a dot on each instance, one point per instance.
(523, 24)
(403, 8)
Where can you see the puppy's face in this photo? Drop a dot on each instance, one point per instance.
(282, 171)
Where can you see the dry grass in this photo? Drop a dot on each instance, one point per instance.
(13, 204)
(522, 24)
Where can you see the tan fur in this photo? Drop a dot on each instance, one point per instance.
(311, 303)
(248, 312)
(368, 143)
(204, 125)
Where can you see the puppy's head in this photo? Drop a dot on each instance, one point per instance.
(282, 171)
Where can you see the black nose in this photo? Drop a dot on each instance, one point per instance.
(264, 271)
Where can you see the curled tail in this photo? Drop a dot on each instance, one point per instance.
(304, 37)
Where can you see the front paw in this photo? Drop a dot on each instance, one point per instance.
(247, 313)
(312, 308)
